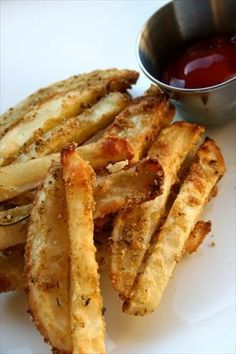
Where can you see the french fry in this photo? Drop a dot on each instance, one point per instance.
(201, 229)
(21, 177)
(87, 323)
(141, 121)
(129, 187)
(150, 284)
(103, 254)
(121, 189)
(47, 262)
(11, 273)
(77, 129)
(134, 227)
(49, 112)
(134, 125)
(120, 81)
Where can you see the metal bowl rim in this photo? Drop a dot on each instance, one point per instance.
(161, 83)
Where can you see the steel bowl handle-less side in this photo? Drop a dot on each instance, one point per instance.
(176, 23)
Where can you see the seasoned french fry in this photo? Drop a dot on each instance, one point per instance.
(48, 112)
(103, 254)
(201, 229)
(150, 284)
(87, 323)
(134, 125)
(141, 121)
(77, 129)
(120, 81)
(106, 150)
(47, 262)
(11, 273)
(124, 188)
(130, 187)
(134, 227)
(21, 177)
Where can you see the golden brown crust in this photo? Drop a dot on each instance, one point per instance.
(128, 187)
(141, 121)
(33, 171)
(79, 128)
(46, 262)
(86, 319)
(68, 102)
(208, 167)
(134, 227)
(197, 236)
(121, 81)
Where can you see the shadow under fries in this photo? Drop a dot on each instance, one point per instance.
(122, 329)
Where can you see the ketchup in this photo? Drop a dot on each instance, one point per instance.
(206, 63)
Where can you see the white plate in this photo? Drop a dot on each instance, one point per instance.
(44, 41)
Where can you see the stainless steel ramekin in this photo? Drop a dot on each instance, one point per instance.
(178, 22)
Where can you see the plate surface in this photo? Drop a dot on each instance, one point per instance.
(45, 41)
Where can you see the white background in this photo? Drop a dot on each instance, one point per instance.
(45, 41)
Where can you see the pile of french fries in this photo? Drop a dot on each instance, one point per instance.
(93, 180)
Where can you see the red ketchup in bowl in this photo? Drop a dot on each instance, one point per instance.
(206, 63)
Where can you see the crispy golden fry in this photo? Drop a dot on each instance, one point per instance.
(134, 227)
(141, 121)
(11, 273)
(14, 215)
(118, 80)
(129, 187)
(150, 284)
(103, 254)
(134, 125)
(201, 229)
(87, 323)
(21, 177)
(106, 150)
(50, 111)
(77, 129)
(119, 190)
(18, 178)
(47, 262)
(13, 235)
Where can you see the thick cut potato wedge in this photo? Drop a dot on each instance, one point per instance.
(150, 284)
(87, 323)
(133, 124)
(124, 188)
(21, 177)
(141, 121)
(11, 273)
(47, 263)
(134, 227)
(120, 80)
(47, 113)
(77, 129)
(103, 254)
(129, 187)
